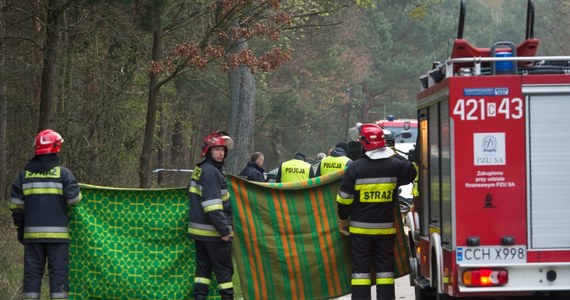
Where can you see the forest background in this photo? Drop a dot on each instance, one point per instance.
(134, 86)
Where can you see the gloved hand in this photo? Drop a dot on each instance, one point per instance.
(343, 226)
(18, 218)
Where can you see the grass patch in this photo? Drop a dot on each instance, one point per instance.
(11, 257)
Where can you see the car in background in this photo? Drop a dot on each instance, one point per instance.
(404, 133)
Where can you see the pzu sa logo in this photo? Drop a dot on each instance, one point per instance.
(501, 91)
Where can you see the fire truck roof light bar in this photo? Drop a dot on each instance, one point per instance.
(478, 60)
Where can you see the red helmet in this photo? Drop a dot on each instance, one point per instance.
(48, 142)
(217, 139)
(371, 137)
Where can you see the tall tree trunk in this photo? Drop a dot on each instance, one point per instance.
(242, 92)
(152, 107)
(38, 56)
(48, 101)
(160, 150)
(3, 115)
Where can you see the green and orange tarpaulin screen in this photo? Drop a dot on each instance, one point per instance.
(287, 242)
(132, 243)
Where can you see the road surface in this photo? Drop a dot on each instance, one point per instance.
(403, 290)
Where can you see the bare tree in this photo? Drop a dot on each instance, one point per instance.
(48, 102)
(242, 90)
(3, 115)
(257, 18)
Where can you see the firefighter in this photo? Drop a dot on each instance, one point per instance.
(337, 160)
(210, 218)
(39, 203)
(366, 199)
(296, 169)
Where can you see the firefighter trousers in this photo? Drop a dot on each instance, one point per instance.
(213, 257)
(372, 253)
(35, 256)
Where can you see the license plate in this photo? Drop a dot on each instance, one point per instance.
(491, 254)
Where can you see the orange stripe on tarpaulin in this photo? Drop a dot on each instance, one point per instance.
(243, 203)
(257, 273)
(401, 246)
(278, 201)
(322, 223)
(293, 256)
(317, 191)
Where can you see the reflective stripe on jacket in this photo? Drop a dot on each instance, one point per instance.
(44, 197)
(368, 191)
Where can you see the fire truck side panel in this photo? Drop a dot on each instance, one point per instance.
(549, 166)
(489, 161)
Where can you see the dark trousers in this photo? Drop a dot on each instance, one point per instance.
(214, 257)
(35, 257)
(368, 252)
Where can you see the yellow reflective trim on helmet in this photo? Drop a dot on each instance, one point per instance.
(372, 231)
(361, 281)
(46, 235)
(39, 191)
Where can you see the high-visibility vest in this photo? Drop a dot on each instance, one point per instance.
(332, 164)
(295, 170)
(416, 189)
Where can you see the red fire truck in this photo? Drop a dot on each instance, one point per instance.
(493, 215)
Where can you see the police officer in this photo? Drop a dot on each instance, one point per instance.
(39, 203)
(366, 199)
(210, 218)
(295, 169)
(337, 160)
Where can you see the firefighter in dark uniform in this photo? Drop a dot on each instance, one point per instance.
(296, 169)
(337, 160)
(366, 199)
(39, 203)
(210, 218)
